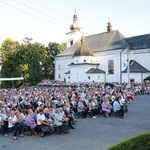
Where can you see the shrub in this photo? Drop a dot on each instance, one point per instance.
(139, 142)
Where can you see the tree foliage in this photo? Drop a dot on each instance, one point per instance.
(35, 71)
(33, 61)
(10, 65)
(53, 50)
(139, 142)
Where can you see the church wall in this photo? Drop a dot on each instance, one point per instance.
(61, 67)
(142, 56)
(95, 77)
(73, 36)
(78, 73)
(81, 59)
(103, 58)
(137, 77)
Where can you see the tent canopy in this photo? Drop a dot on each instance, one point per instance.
(11, 79)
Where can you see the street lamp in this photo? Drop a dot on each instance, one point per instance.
(128, 64)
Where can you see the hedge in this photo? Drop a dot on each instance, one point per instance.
(139, 142)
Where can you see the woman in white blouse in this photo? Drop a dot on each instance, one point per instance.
(12, 124)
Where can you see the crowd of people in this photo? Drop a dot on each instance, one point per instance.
(54, 106)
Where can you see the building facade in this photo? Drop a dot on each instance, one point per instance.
(103, 57)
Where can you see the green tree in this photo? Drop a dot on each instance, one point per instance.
(53, 49)
(9, 62)
(35, 71)
(27, 56)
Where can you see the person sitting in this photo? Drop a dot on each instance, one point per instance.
(60, 121)
(42, 123)
(69, 115)
(123, 102)
(51, 122)
(81, 108)
(117, 108)
(20, 123)
(73, 107)
(4, 117)
(94, 105)
(130, 95)
(12, 124)
(31, 123)
(106, 107)
(3, 127)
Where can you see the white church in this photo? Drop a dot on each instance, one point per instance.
(103, 57)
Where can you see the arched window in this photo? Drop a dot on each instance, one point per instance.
(71, 42)
(110, 66)
(59, 67)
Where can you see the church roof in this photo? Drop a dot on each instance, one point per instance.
(75, 25)
(135, 67)
(95, 70)
(147, 79)
(84, 63)
(139, 42)
(83, 50)
(68, 72)
(100, 42)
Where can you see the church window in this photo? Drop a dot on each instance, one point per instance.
(110, 66)
(84, 60)
(58, 67)
(89, 77)
(58, 76)
(71, 42)
(68, 77)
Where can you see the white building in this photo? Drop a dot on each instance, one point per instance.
(103, 57)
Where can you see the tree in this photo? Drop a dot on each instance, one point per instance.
(35, 71)
(9, 62)
(33, 61)
(30, 54)
(53, 49)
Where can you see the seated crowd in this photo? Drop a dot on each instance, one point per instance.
(45, 110)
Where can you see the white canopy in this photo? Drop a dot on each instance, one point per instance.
(11, 79)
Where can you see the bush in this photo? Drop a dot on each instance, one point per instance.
(139, 142)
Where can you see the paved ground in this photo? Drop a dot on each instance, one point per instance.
(90, 134)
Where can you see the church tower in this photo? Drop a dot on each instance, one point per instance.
(109, 26)
(75, 34)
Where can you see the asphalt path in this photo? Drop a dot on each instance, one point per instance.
(89, 133)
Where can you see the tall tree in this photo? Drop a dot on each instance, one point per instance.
(9, 62)
(29, 54)
(53, 49)
(35, 71)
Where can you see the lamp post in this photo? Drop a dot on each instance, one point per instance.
(121, 65)
(128, 64)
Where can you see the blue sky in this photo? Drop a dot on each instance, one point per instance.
(48, 20)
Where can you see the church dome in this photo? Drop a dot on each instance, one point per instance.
(75, 25)
(83, 50)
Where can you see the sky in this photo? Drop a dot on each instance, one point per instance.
(48, 20)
